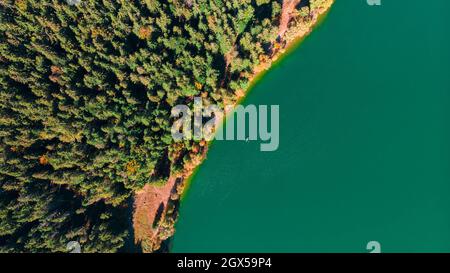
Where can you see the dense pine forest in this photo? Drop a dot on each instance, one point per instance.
(87, 88)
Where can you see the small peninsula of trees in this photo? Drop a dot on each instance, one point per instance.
(86, 91)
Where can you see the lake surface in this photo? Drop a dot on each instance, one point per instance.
(364, 149)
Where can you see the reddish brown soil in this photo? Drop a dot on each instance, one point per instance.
(146, 205)
(286, 15)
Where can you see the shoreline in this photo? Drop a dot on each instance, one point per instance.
(278, 57)
(170, 195)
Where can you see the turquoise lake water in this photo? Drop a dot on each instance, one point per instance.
(364, 149)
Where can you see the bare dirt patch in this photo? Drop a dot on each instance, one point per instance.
(149, 203)
(286, 15)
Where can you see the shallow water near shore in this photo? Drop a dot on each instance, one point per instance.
(364, 149)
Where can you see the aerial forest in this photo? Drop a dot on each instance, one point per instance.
(86, 90)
